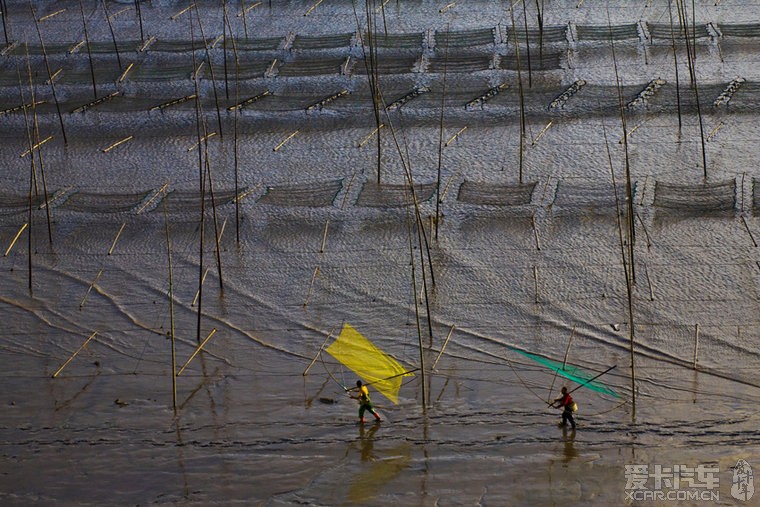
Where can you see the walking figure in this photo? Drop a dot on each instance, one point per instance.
(566, 402)
(364, 402)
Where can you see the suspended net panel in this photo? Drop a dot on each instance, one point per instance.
(247, 68)
(396, 40)
(88, 202)
(740, 30)
(342, 40)
(588, 198)
(474, 192)
(178, 46)
(546, 60)
(384, 195)
(167, 71)
(464, 38)
(605, 33)
(260, 44)
(313, 195)
(696, 200)
(190, 201)
(549, 34)
(668, 31)
(311, 67)
(459, 63)
(395, 65)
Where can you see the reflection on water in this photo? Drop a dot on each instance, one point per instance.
(568, 438)
(379, 467)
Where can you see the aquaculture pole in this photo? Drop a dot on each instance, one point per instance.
(171, 310)
(49, 73)
(89, 51)
(4, 13)
(139, 19)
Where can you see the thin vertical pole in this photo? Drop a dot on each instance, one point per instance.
(171, 309)
(89, 51)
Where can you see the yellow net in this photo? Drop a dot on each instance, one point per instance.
(370, 363)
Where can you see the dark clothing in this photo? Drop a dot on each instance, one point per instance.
(566, 402)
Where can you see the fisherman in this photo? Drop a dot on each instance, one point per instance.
(364, 402)
(566, 402)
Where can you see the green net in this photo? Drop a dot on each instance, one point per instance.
(572, 373)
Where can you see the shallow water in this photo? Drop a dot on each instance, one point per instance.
(546, 277)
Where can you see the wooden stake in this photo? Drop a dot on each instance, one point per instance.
(200, 347)
(171, 309)
(535, 282)
(36, 146)
(155, 196)
(117, 143)
(15, 238)
(535, 232)
(113, 245)
(90, 288)
(124, 74)
(312, 8)
(291, 136)
(451, 140)
(74, 354)
(197, 293)
(324, 238)
(451, 331)
(370, 136)
(48, 16)
(204, 138)
(180, 13)
(746, 226)
(696, 346)
(541, 134)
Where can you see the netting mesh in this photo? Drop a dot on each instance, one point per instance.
(473, 192)
(88, 202)
(698, 200)
(588, 198)
(464, 38)
(385, 195)
(315, 194)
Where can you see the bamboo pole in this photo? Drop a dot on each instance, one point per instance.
(440, 353)
(535, 284)
(696, 346)
(113, 245)
(126, 71)
(541, 134)
(311, 286)
(370, 136)
(4, 14)
(455, 136)
(324, 238)
(180, 13)
(313, 7)
(74, 354)
(113, 34)
(15, 238)
(291, 136)
(197, 350)
(211, 70)
(139, 19)
(37, 145)
(153, 198)
(198, 292)
(171, 309)
(81, 305)
(117, 143)
(89, 52)
(318, 353)
(52, 14)
(39, 151)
